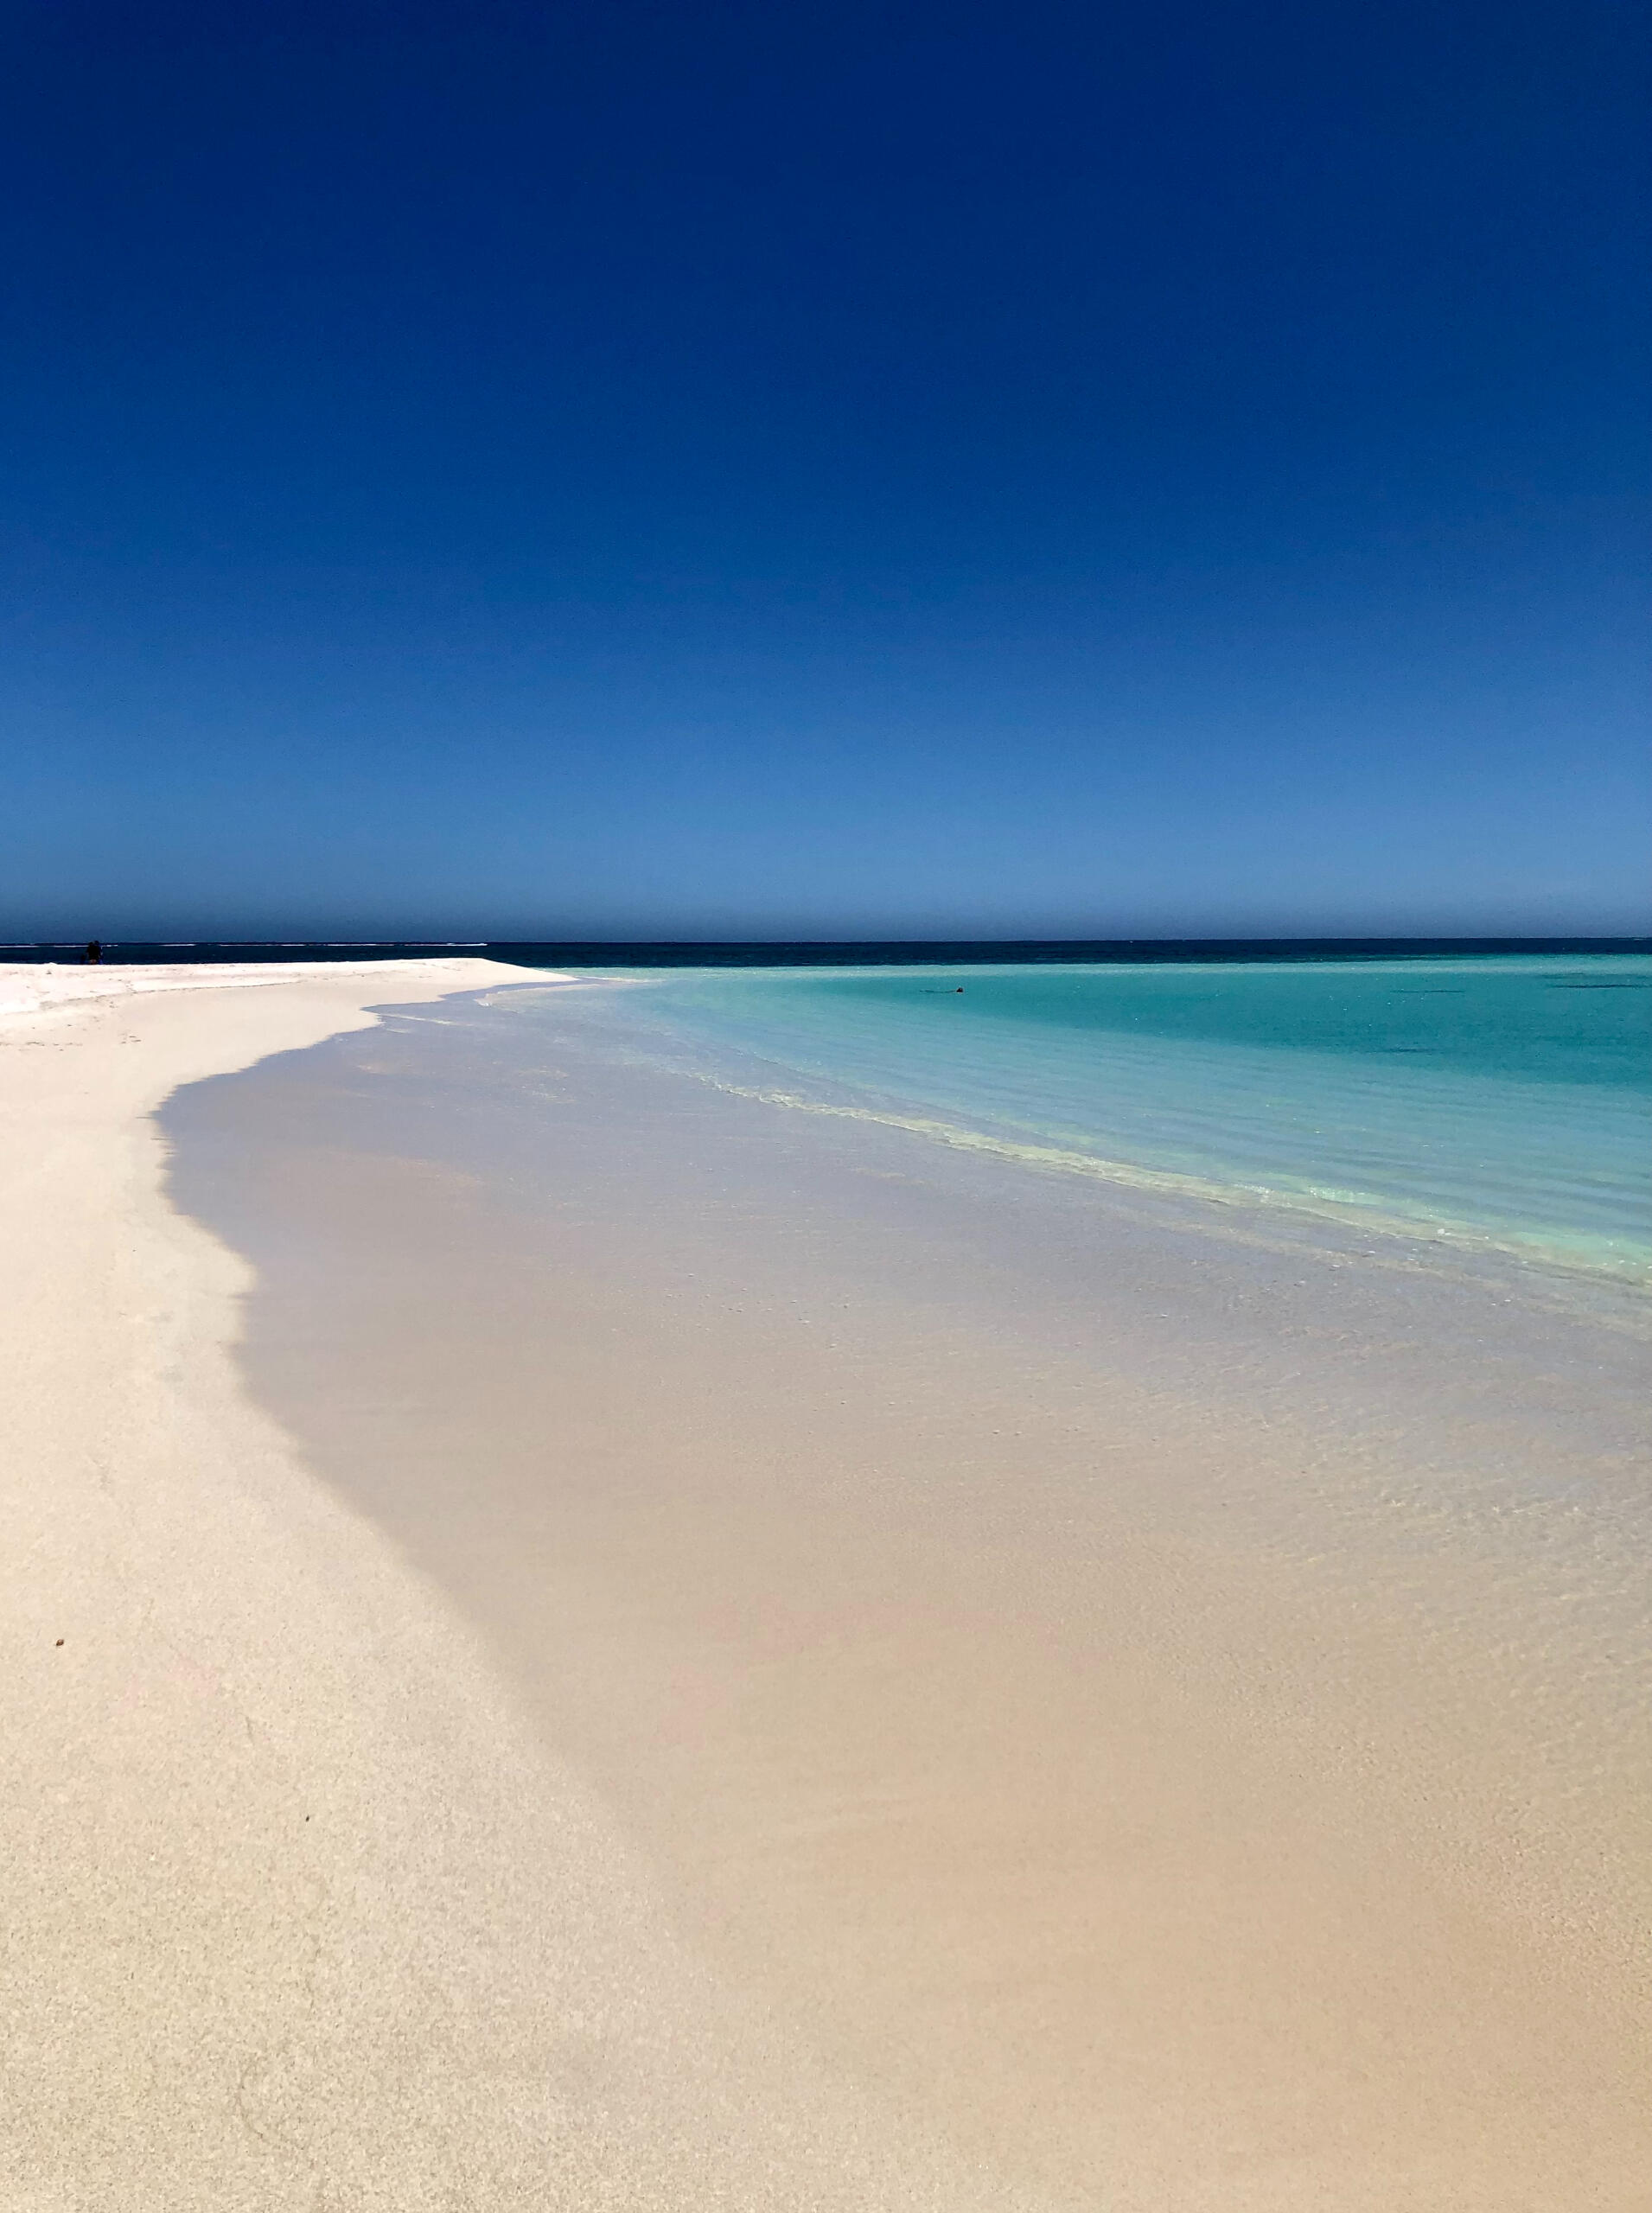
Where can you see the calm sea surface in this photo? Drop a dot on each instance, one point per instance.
(1497, 1101)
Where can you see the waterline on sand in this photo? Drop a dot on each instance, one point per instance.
(1165, 1716)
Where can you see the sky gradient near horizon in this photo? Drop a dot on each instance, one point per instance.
(619, 469)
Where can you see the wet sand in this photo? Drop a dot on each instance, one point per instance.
(1147, 1716)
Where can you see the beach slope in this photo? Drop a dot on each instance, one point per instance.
(296, 1915)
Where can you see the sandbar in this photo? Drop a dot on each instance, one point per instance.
(299, 1912)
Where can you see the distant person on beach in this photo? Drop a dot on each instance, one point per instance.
(94, 951)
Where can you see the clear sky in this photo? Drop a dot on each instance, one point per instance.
(823, 469)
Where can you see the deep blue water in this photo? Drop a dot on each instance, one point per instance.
(1495, 1100)
(820, 953)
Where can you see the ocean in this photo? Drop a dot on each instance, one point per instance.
(1497, 1102)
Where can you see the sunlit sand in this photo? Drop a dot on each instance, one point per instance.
(615, 1654)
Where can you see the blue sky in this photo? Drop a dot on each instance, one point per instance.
(737, 470)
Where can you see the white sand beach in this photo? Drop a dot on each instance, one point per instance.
(296, 1914)
(675, 1720)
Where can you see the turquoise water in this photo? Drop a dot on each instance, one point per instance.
(1501, 1101)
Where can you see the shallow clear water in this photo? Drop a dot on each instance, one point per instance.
(1088, 1676)
(1503, 1101)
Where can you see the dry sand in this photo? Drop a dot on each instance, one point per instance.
(297, 1913)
